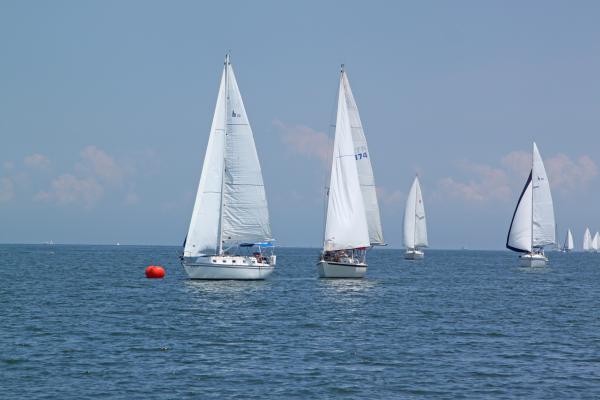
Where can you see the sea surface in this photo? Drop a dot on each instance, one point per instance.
(82, 322)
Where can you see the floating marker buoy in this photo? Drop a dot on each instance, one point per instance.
(155, 272)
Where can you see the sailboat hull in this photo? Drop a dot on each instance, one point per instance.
(414, 255)
(329, 269)
(533, 260)
(231, 268)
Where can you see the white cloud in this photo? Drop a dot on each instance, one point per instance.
(93, 176)
(131, 199)
(68, 189)
(488, 183)
(97, 162)
(37, 161)
(388, 196)
(567, 174)
(518, 162)
(7, 190)
(306, 141)
(491, 183)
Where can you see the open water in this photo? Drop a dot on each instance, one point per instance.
(83, 322)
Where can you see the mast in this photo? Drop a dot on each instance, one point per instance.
(220, 237)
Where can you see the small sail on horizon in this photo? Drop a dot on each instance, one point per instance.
(568, 245)
(363, 165)
(346, 224)
(415, 225)
(596, 242)
(231, 204)
(532, 225)
(587, 240)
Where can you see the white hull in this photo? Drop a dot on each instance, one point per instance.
(228, 267)
(414, 255)
(533, 260)
(329, 269)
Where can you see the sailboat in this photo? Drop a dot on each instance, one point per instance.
(596, 242)
(568, 246)
(353, 223)
(587, 240)
(415, 227)
(532, 225)
(229, 236)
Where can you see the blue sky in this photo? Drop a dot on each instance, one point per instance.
(105, 109)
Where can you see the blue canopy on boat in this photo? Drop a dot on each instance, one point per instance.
(256, 244)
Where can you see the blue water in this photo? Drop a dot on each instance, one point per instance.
(83, 322)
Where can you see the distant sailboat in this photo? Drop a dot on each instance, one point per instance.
(596, 242)
(532, 225)
(415, 226)
(352, 222)
(587, 240)
(229, 236)
(568, 246)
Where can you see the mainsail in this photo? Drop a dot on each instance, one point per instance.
(231, 204)
(346, 224)
(596, 242)
(245, 211)
(363, 164)
(415, 227)
(587, 240)
(532, 225)
(543, 207)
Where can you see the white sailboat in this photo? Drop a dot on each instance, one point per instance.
(568, 245)
(587, 240)
(415, 226)
(229, 236)
(596, 243)
(352, 220)
(532, 225)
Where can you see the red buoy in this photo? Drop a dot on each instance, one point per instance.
(155, 272)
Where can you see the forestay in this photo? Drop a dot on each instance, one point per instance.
(415, 226)
(364, 167)
(346, 224)
(203, 232)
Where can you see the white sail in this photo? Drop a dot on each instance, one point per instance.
(204, 229)
(569, 241)
(519, 233)
(230, 204)
(596, 242)
(415, 226)
(346, 224)
(543, 208)
(587, 240)
(363, 164)
(245, 211)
